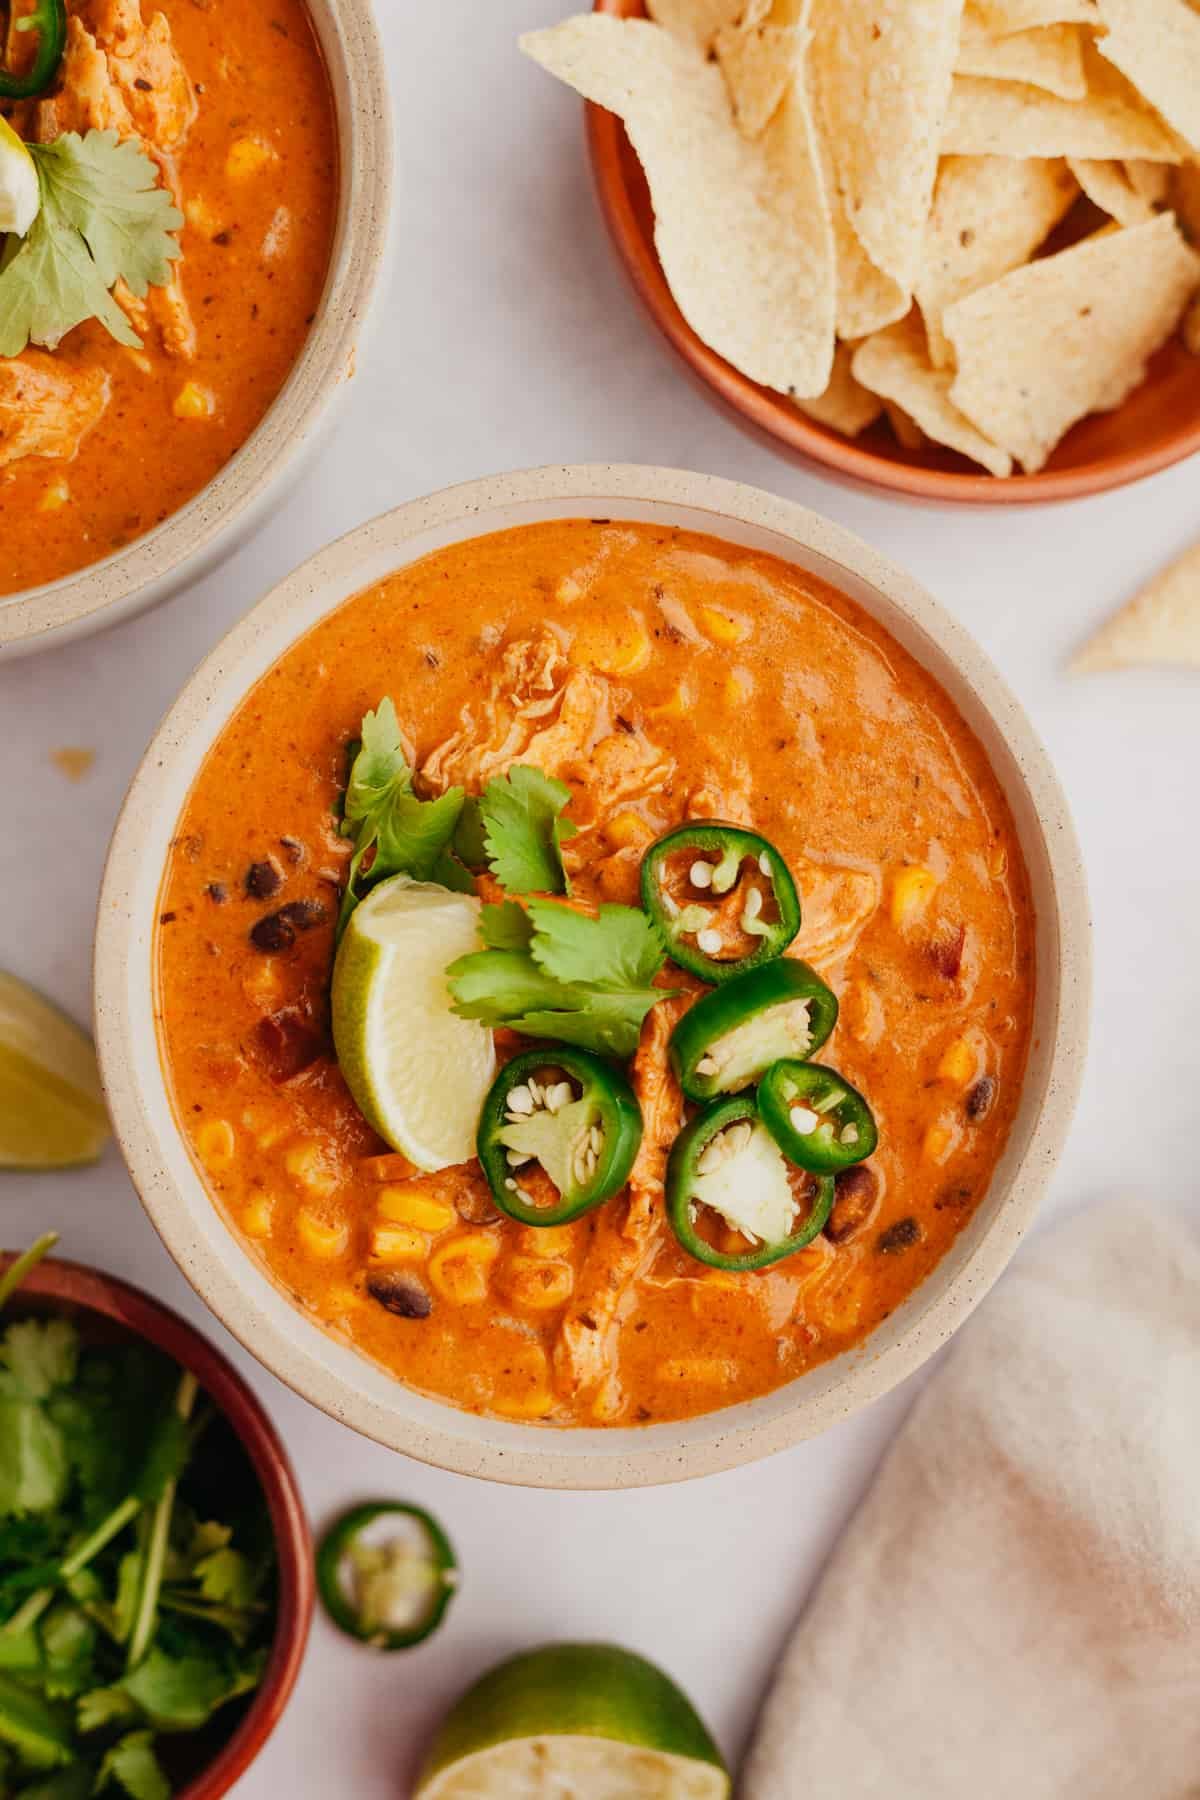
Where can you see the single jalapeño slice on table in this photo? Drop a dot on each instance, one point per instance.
(723, 898)
(389, 1592)
(818, 1120)
(731, 1037)
(726, 1170)
(558, 1119)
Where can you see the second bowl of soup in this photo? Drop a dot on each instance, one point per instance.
(591, 977)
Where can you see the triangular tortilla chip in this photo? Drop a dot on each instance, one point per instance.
(1156, 45)
(867, 299)
(1160, 625)
(1050, 57)
(1067, 335)
(845, 406)
(905, 430)
(1107, 186)
(883, 73)
(759, 65)
(895, 365)
(989, 215)
(742, 230)
(1004, 16)
(1149, 179)
(698, 21)
(1010, 118)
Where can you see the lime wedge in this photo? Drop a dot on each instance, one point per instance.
(419, 1074)
(51, 1106)
(20, 196)
(586, 1719)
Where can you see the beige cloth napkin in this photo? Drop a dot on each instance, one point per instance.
(1014, 1614)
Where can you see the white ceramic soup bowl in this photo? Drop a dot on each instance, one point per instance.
(216, 519)
(288, 1340)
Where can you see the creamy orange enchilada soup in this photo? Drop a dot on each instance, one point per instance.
(472, 767)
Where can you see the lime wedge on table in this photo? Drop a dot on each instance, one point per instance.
(20, 196)
(574, 1719)
(51, 1107)
(419, 1074)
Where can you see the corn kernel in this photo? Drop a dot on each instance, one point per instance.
(409, 1206)
(256, 1218)
(538, 1285)
(399, 1243)
(56, 496)
(263, 985)
(201, 216)
(266, 1131)
(627, 831)
(681, 703)
(459, 1268)
(553, 1242)
(306, 1164)
(527, 1393)
(215, 1142)
(912, 890)
(738, 687)
(998, 865)
(939, 1141)
(959, 1063)
(840, 1309)
(194, 402)
(621, 646)
(391, 1167)
(323, 1236)
(702, 1371)
(536, 1404)
(248, 156)
(722, 627)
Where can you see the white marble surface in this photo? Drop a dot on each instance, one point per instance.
(508, 338)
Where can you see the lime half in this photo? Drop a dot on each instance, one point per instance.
(585, 1719)
(20, 195)
(51, 1106)
(419, 1074)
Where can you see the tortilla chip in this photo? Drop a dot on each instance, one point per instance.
(1184, 196)
(698, 21)
(867, 299)
(845, 406)
(989, 215)
(1149, 179)
(1067, 335)
(1156, 45)
(883, 73)
(1191, 328)
(1010, 118)
(895, 365)
(1002, 17)
(759, 65)
(1108, 186)
(905, 430)
(742, 230)
(1160, 625)
(1050, 57)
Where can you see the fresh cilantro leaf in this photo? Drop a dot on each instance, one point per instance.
(470, 845)
(620, 948)
(104, 1707)
(33, 1461)
(104, 215)
(37, 1357)
(132, 1765)
(495, 986)
(20, 1654)
(38, 1730)
(609, 1024)
(506, 927)
(524, 830)
(227, 1578)
(452, 874)
(178, 1693)
(69, 1648)
(401, 834)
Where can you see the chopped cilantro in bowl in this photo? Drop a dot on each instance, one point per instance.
(139, 1586)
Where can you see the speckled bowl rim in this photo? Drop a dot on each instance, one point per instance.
(327, 1372)
(210, 525)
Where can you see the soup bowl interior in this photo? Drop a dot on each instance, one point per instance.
(204, 1764)
(289, 1341)
(215, 520)
(1158, 425)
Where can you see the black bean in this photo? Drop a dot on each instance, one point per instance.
(302, 915)
(263, 879)
(981, 1098)
(273, 933)
(900, 1236)
(856, 1193)
(400, 1294)
(217, 892)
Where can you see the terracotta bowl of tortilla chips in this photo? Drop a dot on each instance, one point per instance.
(1159, 424)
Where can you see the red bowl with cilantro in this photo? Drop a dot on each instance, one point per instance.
(233, 1436)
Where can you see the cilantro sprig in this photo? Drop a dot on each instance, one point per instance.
(126, 1607)
(104, 217)
(551, 972)
(524, 831)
